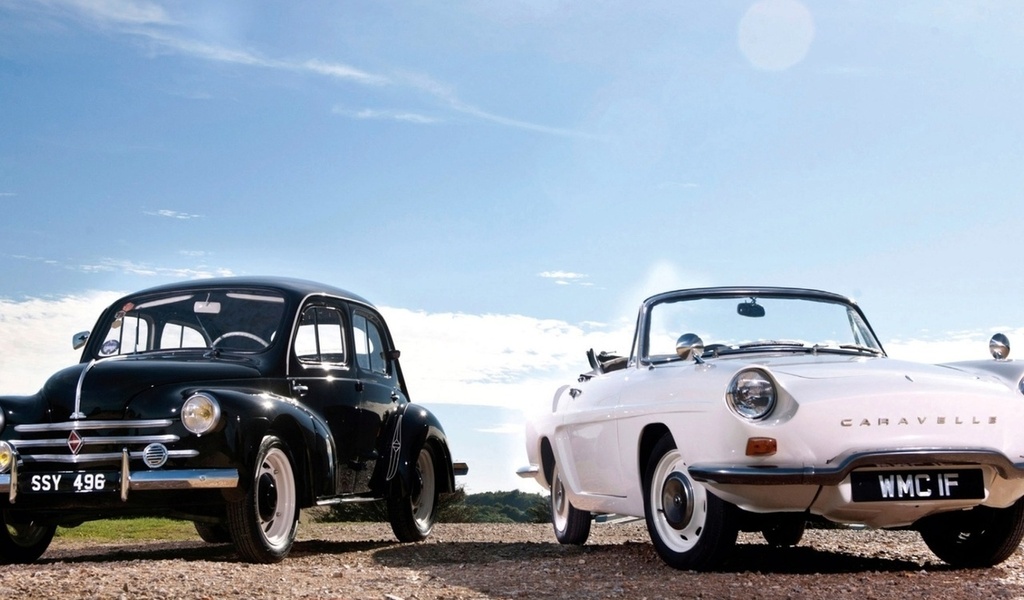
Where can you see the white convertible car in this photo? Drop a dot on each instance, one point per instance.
(760, 409)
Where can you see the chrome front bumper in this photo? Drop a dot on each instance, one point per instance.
(150, 480)
(839, 468)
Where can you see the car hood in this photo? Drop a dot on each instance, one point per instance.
(864, 374)
(105, 388)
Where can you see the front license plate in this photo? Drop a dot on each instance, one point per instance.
(918, 485)
(69, 482)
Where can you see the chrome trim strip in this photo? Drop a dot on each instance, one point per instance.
(96, 441)
(99, 457)
(78, 414)
(844, 464)
(86, 425)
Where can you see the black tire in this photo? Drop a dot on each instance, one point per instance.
(785, 531)
(22, 543)
(690, 527)
(263, 524)
(213, 533)
(976, 538)
(413, 515)
(572, 526)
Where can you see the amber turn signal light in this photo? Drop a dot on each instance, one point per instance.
(761, 446)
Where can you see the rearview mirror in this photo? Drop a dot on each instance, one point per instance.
(207, 308)
(750, 309)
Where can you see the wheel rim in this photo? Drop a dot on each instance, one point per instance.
(423, 495)
(678, 505)
(275, 497)
(559, 503)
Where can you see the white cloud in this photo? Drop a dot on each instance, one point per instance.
(173, 214)
(114, 265)
(114, 12)
(391, 115)
(37, 337)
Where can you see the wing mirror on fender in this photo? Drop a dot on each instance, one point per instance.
(79, 339)
(689, 345)
(999, 346)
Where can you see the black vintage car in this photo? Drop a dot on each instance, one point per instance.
(232, 403)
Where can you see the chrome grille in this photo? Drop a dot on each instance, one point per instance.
(84, 449)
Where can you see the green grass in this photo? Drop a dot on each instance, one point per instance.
(143, 528)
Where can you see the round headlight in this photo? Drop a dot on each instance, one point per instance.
(752, 394)
(200, 413)
(6, 457)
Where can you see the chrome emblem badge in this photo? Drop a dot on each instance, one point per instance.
(74, 442)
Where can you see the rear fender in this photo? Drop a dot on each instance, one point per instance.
(410, 429)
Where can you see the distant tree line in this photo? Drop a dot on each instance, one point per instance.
(457, 507)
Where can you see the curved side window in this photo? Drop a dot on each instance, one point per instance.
(320, 338)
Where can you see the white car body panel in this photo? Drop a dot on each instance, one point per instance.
(830, 406)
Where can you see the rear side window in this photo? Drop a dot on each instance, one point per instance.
(369, 348)
(320, 338)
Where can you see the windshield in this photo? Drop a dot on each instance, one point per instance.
(755, 324)
(233, 320)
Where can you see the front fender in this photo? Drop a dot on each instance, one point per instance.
(249, 417)
(410, 429)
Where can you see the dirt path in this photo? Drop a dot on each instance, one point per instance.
(506, 561)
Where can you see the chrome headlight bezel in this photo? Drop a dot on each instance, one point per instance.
(752, 394)
(7, 457)
(200, 413)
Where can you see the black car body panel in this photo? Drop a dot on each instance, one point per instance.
(309, 365)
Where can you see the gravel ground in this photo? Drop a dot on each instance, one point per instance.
(459, 561)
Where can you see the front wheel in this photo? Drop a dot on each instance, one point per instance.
(263, 523)
(976, 538)
(572, 526)
(412, 515)
(690, 527)
(23, 542)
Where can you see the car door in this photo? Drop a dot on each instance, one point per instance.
(381, 389)
(323, 377)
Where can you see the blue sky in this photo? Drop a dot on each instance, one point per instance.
(510, 179)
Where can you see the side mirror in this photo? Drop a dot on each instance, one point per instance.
(394, 354)
(689, 345)
(750, 309)
(79, 339)
(999, 346)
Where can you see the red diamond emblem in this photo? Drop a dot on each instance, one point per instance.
(75, 442)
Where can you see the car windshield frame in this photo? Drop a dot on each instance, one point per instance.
(733, 321)
(237, 320)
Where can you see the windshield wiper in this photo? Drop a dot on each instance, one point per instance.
(860, 348)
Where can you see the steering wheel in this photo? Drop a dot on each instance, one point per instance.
(244, 334)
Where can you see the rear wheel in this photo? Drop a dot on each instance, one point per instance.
(572, 526)
(690, 527)
(263, 524)
(23, 542)
(980, 537)
(412, 515)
